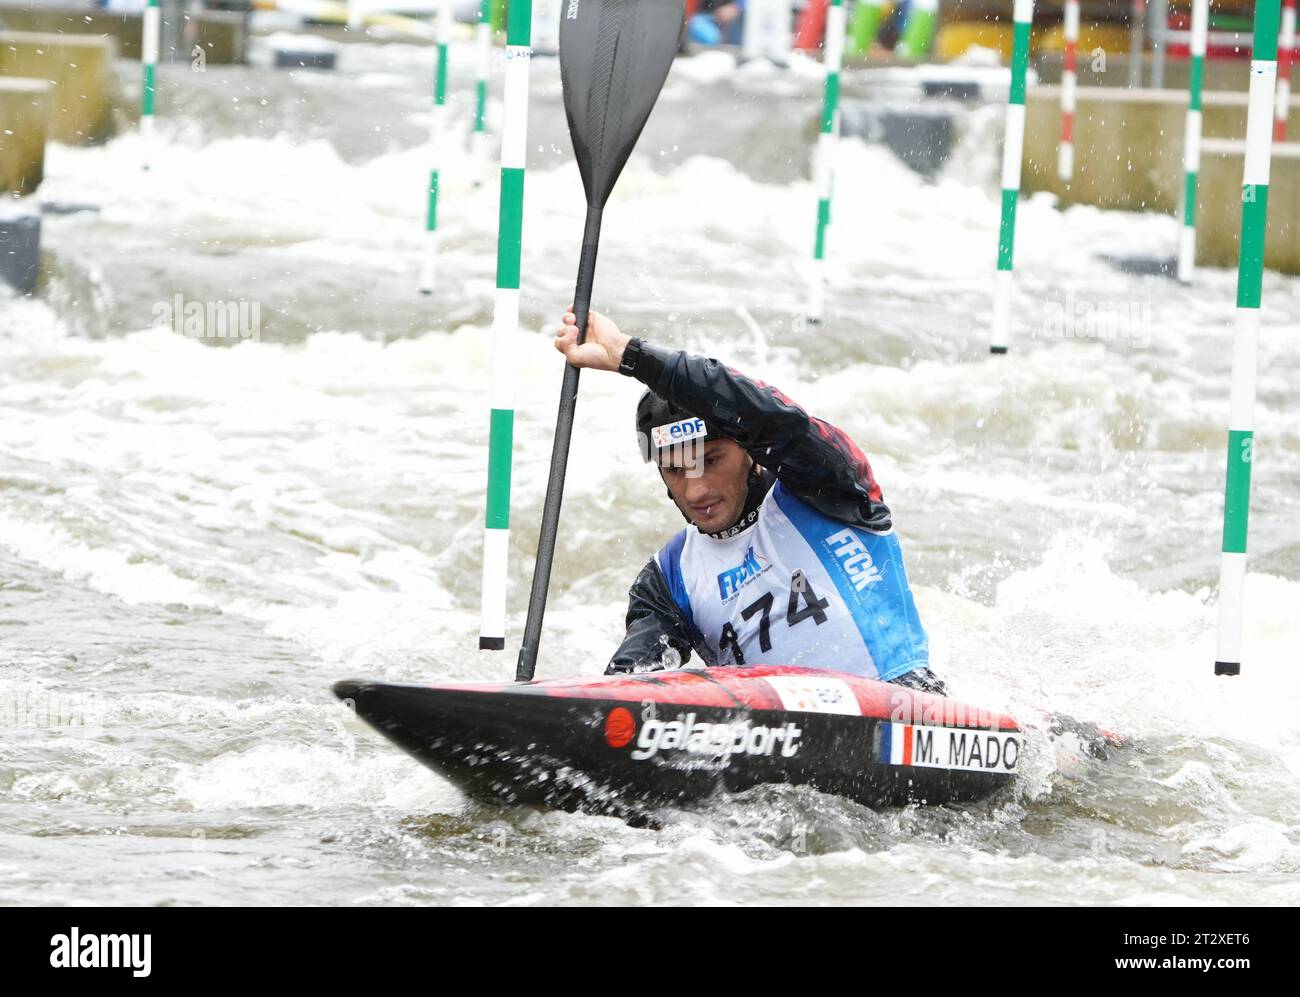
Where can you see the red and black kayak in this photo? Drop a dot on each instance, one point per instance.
(610, 743)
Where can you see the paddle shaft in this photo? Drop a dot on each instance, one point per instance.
(559, 457)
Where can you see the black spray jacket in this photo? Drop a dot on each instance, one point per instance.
(812, 459)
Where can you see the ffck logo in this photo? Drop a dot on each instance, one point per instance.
(731, 581)
(77, 951)
(858, 565)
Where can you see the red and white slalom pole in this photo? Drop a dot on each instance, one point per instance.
(1069, 91)
(1285, 56)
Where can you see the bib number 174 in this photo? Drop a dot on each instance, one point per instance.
(801, 591)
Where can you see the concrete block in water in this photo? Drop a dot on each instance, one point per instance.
(958, 88)
(20, 252)
(921, 140)
(24, 127)
(297, 58)
(223, 35)
(78, 68)
(921, 137)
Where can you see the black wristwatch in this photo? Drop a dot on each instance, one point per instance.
(631, 357)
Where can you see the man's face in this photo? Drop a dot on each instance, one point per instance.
(712, 493)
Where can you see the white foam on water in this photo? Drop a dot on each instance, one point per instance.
(312, 776)
(707, 67)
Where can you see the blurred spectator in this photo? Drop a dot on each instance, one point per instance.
(717, 22)
(892, 29)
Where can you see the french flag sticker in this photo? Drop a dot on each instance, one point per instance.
(898, 744)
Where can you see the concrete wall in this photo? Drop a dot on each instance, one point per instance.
(1128, 156)
(1112, 71)
(78, 69)
(222, 34)
(1218, 212)
(1128, 143)
(24, 126)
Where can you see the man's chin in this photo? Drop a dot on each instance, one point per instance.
(714, 524)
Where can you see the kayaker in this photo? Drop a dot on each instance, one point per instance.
(792, 559)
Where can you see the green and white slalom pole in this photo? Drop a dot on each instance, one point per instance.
(1013, 147)
(1250, 278)
(437, 141)
(1069, 92)
(483, 68)
(1192, 140)
(1285, 56)
(918, 33)
(866, 21)
(149, 45)
(824, 160)
(505, 323)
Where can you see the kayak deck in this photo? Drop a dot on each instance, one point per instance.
(607, 743)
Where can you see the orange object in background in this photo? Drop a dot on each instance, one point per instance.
(812, 25)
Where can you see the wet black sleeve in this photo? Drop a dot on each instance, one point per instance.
(654, 624)
(813, 459)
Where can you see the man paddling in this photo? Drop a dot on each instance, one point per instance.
(792, 558)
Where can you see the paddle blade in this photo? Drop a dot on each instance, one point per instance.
(614, 58)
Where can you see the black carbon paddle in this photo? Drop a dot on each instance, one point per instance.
(614, 58)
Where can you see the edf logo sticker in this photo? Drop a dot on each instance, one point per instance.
(677, 432)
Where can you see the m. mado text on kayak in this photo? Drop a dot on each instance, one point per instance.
(791, 557)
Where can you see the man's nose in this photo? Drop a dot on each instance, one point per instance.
(696, 488)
